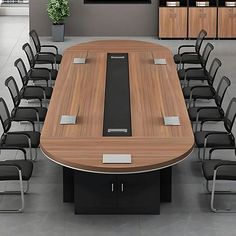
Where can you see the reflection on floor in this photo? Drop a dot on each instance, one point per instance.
(45, 213)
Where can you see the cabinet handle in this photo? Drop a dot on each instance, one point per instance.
(112, 187)
(122, 187)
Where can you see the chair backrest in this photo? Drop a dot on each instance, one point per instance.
(230, 115)
(221, 90)
(214, 67)
(206, 53)
(14, 91)
(4, 116)
(29, 53)
(33, 34)
(202, 34)
(19, 64)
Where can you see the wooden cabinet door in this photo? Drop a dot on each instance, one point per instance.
(172, 22)
(202, 18)
(227, 22)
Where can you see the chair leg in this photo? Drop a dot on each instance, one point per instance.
(213, 197)
(36, 154)
(199, 154)
(21, 209)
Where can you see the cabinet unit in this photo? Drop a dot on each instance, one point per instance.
(227, 22)
(172, 22)
(114, 194)
(202, 18)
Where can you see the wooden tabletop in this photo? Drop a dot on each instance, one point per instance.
(155, 92)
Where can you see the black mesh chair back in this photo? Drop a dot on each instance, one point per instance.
(5, 115)
(221, 90)
(206, 53)
(202, 34)
(29, 53)
(19, 64)
(14, 91)
(33, 34)
(215, 65)
(230, 115)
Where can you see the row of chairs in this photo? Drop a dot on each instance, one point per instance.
(204, 89)
(21, 169)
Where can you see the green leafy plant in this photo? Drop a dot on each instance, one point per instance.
(58, 10)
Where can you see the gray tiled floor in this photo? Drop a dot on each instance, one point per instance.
(45, 213)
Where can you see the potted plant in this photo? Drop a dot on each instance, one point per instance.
(58, 10)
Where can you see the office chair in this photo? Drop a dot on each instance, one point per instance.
(19, 113)
(35, 73)
(212, 139)
(212, 113)
(43, 57)
(16, 170)
(30, 92)
(22, 139)
(190, 57)
(216, 170)
(203, 91)
(202, 60)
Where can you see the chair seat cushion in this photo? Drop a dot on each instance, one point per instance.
(190, 59)
(12, 140)
(199, 93)
(11, 173)
(206, 114)
(223, 173)
(48, 58)
(33, 93)
(42, 74)
(29, 114)
(216, 140)
(45, 59)
(199, 74)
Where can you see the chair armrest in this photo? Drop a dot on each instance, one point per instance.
(2, 164)
(15, 148)
(39, 87)
(50, 46)
(225, 163)
(33, 109)
(220, 148)
(185, 46)
(194, 88)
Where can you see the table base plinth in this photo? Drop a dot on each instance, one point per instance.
(117, 193)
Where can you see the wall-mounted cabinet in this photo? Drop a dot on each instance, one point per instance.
(186, 19)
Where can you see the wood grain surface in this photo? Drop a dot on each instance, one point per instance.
(154, 92)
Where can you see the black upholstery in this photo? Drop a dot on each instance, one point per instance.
(196, 74)
(8, 172)
(227, 171)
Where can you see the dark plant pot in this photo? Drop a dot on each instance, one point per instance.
(58, 32)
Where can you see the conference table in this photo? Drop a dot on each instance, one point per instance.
(119, 98)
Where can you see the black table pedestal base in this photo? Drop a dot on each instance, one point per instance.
(117, 193)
